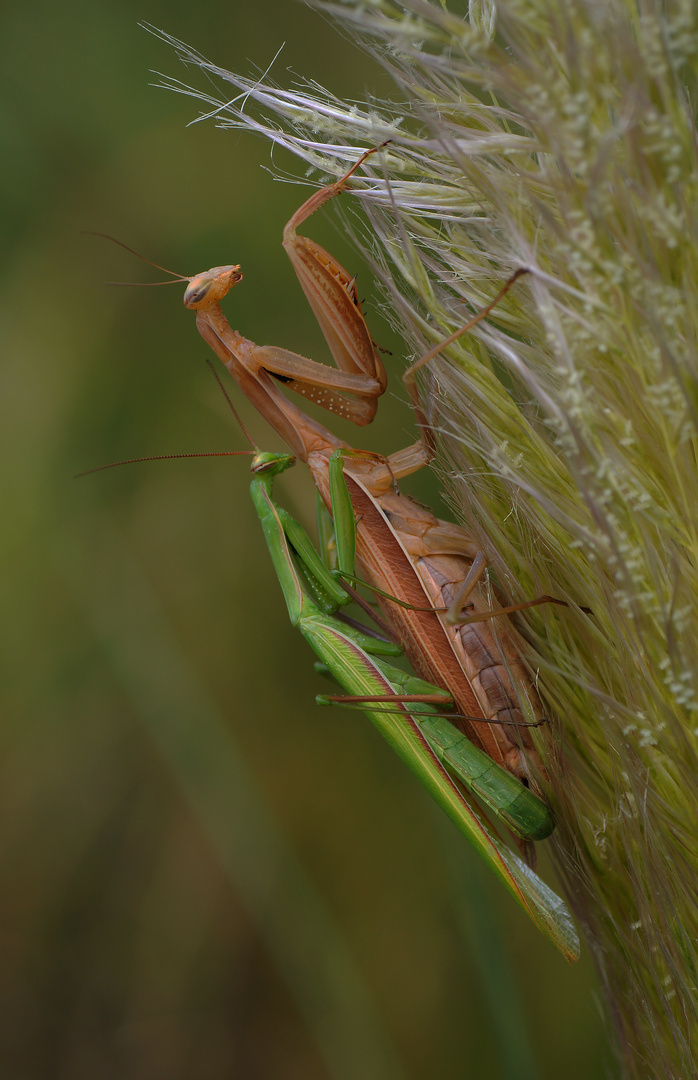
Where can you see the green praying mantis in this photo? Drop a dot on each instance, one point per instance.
(402, 706)
(427, 574)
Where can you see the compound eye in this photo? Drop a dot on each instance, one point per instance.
(197, 291)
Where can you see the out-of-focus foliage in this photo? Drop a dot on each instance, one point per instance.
(202, 874)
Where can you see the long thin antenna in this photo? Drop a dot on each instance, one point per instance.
(232, 408)
(106, 236)
(163, 457)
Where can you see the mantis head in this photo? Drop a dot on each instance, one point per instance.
(203, 290)
(210, 287)
(264, 462)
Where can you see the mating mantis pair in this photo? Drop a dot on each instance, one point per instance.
(429, 568)
(423, 571)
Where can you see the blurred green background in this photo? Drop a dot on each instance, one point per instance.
(203, 875)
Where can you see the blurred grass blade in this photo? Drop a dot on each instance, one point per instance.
(198, 746)
(480, 931)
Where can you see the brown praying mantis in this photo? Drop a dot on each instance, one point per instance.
(425, 571)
